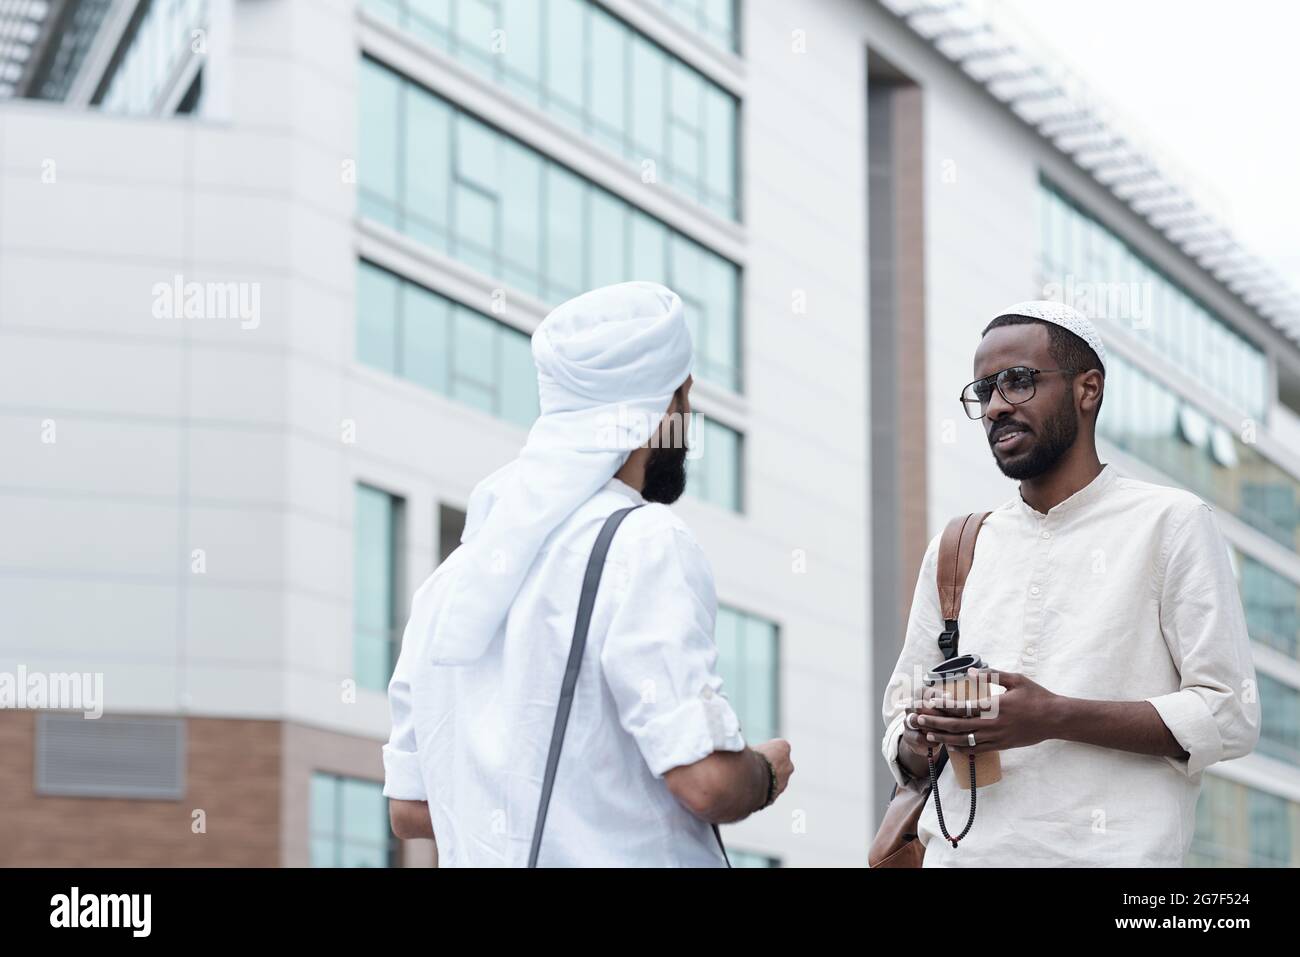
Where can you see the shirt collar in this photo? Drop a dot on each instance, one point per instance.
(1090, 493)
(617, 485)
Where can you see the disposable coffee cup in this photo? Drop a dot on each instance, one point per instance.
(952, 678)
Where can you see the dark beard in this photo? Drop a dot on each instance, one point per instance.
(665, 475)
(1058, 434)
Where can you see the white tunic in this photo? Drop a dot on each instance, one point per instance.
(472, 739)
(1122, 592)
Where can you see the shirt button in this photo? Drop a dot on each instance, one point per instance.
(1047, 534)
(1034, 590)
(707, 693)
(1029, 650)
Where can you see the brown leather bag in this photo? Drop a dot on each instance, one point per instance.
(896, 843)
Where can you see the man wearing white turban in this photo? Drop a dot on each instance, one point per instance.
(653, 753)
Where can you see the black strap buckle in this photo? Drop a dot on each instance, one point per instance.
(949, 637)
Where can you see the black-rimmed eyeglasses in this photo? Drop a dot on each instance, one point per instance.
(1015, 385)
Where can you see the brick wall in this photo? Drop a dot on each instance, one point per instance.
(232, 775)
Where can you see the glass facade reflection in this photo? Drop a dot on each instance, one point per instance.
(714, 476)
(1107, 278)
(409, 331)
(374, 584)
(72, 43)
(1240, 826)
(751, 859)
(1279, 734)
(577, 63)
(466, 189)
(1161, 428)
(1272, 604)
(164, 38)
(348, 822)
(748, 664)
(715, 20)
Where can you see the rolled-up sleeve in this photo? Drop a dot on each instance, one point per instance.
(659, 657)
(402, 779)
(920, 653)
(1215, 714)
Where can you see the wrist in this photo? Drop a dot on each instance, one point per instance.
(903, 757)
(767, 778)
(1063, 715)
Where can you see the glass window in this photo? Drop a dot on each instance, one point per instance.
(445, 347)
(426, 337)
(1271, 835)
(1222, 836)
(650, 248)
(377, 318)
(161, 42)
(380, 134)
(427, 169)
(715, 20)
(720, 349)
(1141, 416)
(476, 153)
(566, 32)
(475, 195)
(650, 67)
(526, 221)
(1241, 826)
(719, 167)
(1179, 329)
(521, 21)
(609, 222)
(430, 20)
(474, 361)
(519, 401)
(686, 119)
(713, 466)
(566, 230)
(375, 587)
(608, 51)
(747, 662)
(591, 71)
(1280, 719)
(348, 823)
(521, 210)
(476, 226)
(751, 859)
(475, 21)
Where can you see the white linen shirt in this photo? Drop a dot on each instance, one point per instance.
(472, 739)
(1122, 592)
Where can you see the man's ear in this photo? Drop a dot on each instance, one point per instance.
(679, 398)
(1091, 384)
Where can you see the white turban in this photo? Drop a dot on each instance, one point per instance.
(608, 363)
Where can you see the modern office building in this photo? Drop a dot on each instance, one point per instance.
(267, 273)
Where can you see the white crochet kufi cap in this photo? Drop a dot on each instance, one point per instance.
(1067, 317)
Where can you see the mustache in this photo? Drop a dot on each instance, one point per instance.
(1006, 426)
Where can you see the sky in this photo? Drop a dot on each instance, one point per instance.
(1214, 83)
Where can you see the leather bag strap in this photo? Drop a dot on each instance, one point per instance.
(956, 555)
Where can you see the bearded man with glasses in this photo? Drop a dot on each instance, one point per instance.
(1107, 609)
